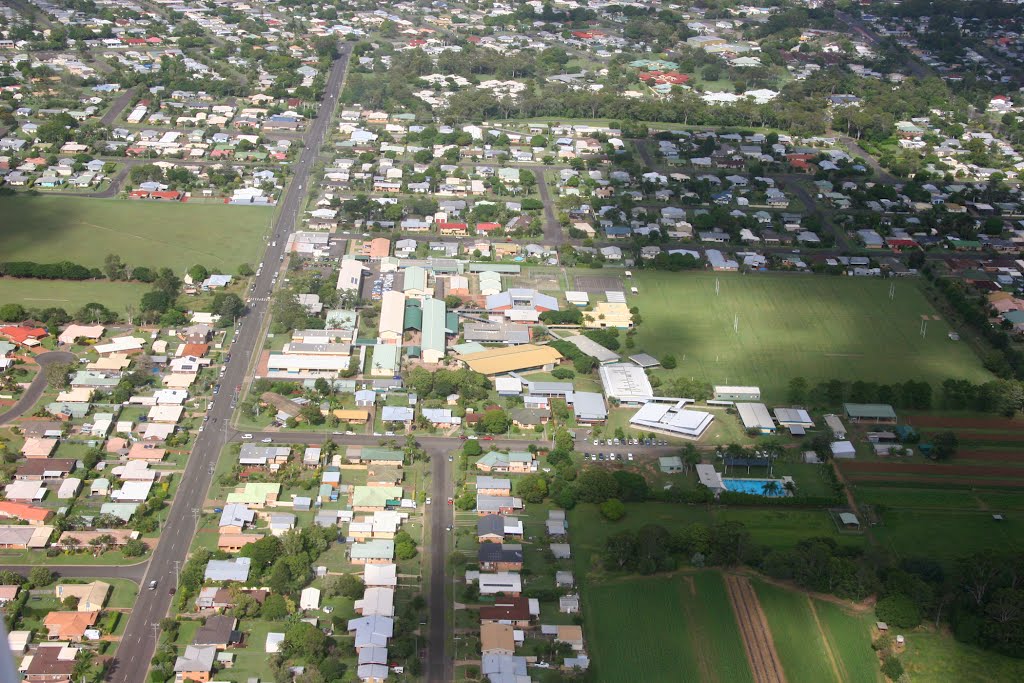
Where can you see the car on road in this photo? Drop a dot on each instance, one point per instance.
(451, 501)
(488, 438)
(448, 528)
(428, 501)
(449, 458)
(246, 436)
(472, 437)
(338, 433)
(152, 585)
(267, 440)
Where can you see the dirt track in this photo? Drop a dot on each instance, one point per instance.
(757, 640)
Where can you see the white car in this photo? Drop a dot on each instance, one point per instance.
(629, 456)
(267, 440)
(246, 436)
(428, 501)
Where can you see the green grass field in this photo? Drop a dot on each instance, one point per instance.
(946, 534)
(772, 527)
(798, 640)
(849, 638)
(664, 629)
(938, 658)
(789, 325)
(71, 295)
(48, 229)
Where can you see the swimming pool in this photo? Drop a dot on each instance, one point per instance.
(755, 487)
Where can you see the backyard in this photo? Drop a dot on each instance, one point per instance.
(818, 327)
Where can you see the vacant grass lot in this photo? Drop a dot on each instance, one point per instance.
(772, 527)
(945, 535)
(940, 659)
(48, 229)
(664, 629)
(71, 295)
(849, 638)
(790, 325)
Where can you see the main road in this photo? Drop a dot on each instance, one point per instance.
(139, 640)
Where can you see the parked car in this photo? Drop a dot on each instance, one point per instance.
(246, 436)
(267, 440)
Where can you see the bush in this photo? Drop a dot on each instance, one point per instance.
(892, 667)
(612, 509)
(898, 610)
(563, 373)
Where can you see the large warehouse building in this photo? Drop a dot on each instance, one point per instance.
(626, 382)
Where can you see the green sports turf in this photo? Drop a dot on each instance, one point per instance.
(38, 294)
(175, 235)
(818, 327)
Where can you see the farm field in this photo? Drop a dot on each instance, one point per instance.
(48, 229)
(71, 295)
(680, 628)
(798, 640)
(849, 637)
(819, 328)
(938, 658)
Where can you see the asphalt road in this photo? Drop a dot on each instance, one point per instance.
(38, 385)
(138, 642)
(440, 666)
(552, 228)
(117, 107)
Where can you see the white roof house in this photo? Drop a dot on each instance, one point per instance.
(309, 598)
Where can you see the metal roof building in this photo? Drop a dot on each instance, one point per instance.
(756, 416)
(626, 382)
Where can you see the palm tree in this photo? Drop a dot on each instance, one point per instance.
(770, 488)
(790, 487)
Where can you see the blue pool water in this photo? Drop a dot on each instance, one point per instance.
(754, 487)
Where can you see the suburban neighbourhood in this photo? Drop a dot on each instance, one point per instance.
(511, 341)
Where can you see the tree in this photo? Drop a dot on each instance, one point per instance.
(668, 361)
(198, 273)
(797, 390)
(944, 446)
(612, 509)
(57, 375)
(495, 421)
(898, 610)
(532, 488)
(405, 547)
(10, 313)
(228, 305)
(274, 607)
(40, 577)
(472, 448)
(347, 585)
(134, 548)
(304, 640)
(113, 268)
(70, 603)
(596, 486)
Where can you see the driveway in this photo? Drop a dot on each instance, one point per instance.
(38, 385)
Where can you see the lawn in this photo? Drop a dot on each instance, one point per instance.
(797, 638)
(48, 229)
(790, 325)
(937, 658)
(70, 295)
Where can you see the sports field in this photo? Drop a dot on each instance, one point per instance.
(71, 295)
(175, 235)
(817, 327)
(668, 628)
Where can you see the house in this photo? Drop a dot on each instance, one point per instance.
(494, 528)
(49, 663)
(496, 638)
(196, 664)
(309, 598)
(519, 462)
(500, 505)
(379, 601)
(516, 611)
(220, 631)
(70, 626)
(375, 551)
(569, 604)
(24, 512)
(492, 486)
(500, 583)
(236, 569)
(500, 557)
(255, 495)
(91, 596)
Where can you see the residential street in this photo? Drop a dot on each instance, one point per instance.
(38, 385)
(131, 664)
